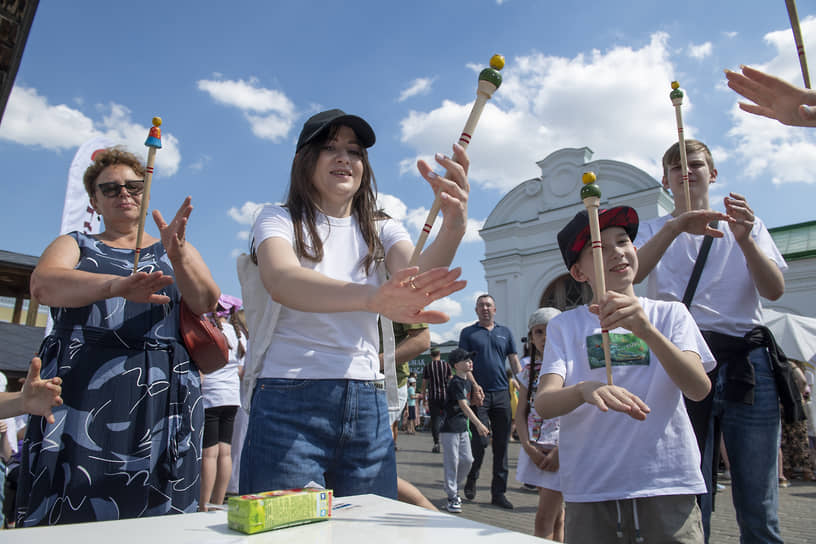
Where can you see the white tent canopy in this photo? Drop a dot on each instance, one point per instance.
(796, 334)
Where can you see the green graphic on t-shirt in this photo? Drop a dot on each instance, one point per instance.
(625, 349)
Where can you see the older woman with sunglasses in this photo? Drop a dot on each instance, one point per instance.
(126, 442)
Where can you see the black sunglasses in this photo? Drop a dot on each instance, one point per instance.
(111, 189)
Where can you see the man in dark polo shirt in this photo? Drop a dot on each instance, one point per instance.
(493, 344)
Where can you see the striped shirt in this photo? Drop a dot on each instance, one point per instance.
(436, 375)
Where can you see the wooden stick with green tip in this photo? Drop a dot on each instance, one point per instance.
(591, 197)
(676, 96)
(489, 81)
(153, 143)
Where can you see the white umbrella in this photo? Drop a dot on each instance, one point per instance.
(796, 334)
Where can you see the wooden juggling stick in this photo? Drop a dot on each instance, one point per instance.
(489, 81)
(793, 15)
(153, 143)
(591, 197)
(677, 99)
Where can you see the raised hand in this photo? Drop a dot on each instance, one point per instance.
(453, 188)
(621, 310)
(173, 233)
(773, 97)
(39, 395)
(743, 216)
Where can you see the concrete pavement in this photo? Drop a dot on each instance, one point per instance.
(416, 463)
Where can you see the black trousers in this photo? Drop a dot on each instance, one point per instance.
(495, 413)
(436, 408)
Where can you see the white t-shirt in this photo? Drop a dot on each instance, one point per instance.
(341, 345)
(11, 434)
(726, 299)
(222, 387)
(608, 455)
(541, 431)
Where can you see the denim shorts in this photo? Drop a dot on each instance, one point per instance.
(331, 432)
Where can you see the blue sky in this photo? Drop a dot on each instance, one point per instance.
(235, 85)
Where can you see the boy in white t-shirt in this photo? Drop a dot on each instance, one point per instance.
(634, 473)
(743, 266)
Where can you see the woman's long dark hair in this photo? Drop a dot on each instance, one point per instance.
(302, 208)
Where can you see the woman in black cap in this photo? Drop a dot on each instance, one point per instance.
(318, 410)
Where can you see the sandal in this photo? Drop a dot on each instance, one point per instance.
(808, 476)
(783, 482)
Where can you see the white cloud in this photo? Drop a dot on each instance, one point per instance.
(614, 102)
(245, 215)
(269, 112)
(418, 86)
(414, 219)
(700, 51)
(765, 148)
(202, 161)
(447, 305)
(731, 34)
(31, 120)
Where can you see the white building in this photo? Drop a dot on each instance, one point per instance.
(523, 265)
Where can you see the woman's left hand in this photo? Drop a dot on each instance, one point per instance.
(453, 188)
(172, 234)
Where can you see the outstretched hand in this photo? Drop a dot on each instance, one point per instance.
(697, 222)
(142, 287)
(773, 97)
(405, 295)
(611, 397)
(173, 233)
(39, 395)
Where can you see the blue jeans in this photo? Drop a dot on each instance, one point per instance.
(332, 432)
(751, 434)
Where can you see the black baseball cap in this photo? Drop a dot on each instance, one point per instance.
(573, 237)
(319, 122)
(458, 355)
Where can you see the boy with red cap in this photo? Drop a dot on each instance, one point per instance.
(635, 472)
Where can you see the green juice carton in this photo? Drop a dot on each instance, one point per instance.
(278, 509)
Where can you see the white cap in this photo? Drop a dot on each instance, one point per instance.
(542, 316)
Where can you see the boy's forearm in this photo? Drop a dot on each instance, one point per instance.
(683, 367)
(650, 253)
(768, 279)
(551, 403)
(463, 404)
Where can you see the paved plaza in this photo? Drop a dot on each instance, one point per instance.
(416, 463)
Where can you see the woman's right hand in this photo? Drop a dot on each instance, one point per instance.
(405, 295)
(141, 287)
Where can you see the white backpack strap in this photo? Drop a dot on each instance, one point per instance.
(389, 349)
(261, 315)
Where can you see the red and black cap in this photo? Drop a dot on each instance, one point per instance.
(573, 237)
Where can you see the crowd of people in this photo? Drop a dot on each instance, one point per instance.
(123, 424)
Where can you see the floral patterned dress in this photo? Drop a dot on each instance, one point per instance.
(126, 443)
